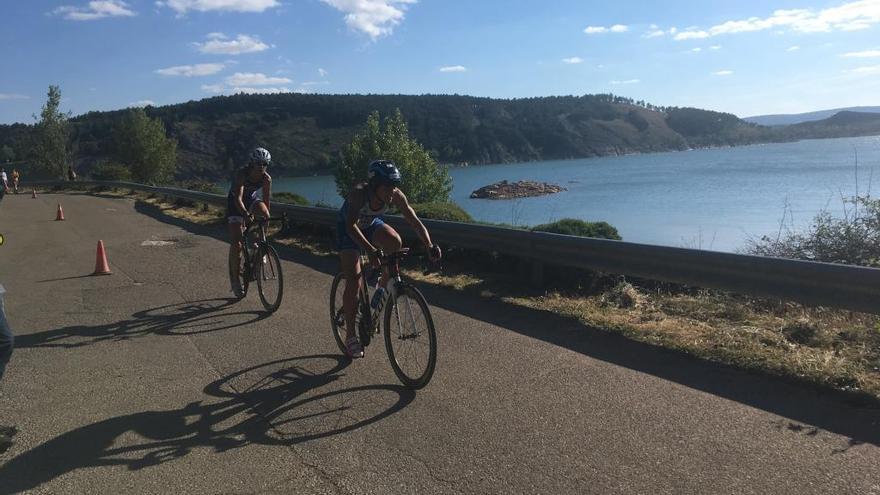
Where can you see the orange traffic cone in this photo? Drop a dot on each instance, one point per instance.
(101, 266)
(60, 214)
(34, 193)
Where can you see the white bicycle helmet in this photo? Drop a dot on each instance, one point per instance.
(261, 155)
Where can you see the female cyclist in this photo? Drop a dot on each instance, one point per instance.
(360, 228)
(248, 196)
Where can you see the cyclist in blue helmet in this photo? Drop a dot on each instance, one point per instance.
(360, 228)
(248, 195)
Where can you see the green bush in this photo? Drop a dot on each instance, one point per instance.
(423, 179)
(110, 171)
(853, 239)
(289, 198)
(441, 210)
(580, 228)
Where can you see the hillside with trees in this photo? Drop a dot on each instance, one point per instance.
(307, 132)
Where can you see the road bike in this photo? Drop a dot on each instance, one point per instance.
(410, 337)
(259, 262)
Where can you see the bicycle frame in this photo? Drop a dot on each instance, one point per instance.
(392, 263)
(258, 225)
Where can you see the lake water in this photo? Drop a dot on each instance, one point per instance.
(710, 199)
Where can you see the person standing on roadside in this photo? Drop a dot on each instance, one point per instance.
(3, 181)
(71, 175)
(15, 176)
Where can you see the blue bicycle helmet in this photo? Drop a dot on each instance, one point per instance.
(383, 172)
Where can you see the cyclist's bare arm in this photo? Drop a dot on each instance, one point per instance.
(267, 190)
(399, 200)
(239, 195)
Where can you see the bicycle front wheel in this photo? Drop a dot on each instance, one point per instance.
(270, 280)
(410, 338)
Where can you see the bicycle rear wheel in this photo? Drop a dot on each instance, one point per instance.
(410, 338)
(270, 280)
(337, 315)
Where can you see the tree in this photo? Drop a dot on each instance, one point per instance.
(52, 144)
(423, 180)
(141, 143)
(6, 153)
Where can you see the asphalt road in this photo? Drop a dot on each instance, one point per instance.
(152, 380)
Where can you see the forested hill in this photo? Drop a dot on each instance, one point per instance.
(305, 132)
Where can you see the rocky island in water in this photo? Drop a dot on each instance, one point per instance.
(518, 189)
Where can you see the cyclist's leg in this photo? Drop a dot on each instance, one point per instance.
(259, 208)
(350, 263)
(389, 240)
(235, 228)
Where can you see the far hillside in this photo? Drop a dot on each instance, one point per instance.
(797, 118)
(305, 132)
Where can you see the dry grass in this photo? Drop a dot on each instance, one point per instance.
(831, 348)
(836, 349)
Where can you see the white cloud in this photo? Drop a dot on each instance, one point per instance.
(13, 96)
(655, 32)
(263, 90)
(722, 73)
(862, 54)
(617, 28)
(870, 69)
(691, 35)
(216, 36)
(793, 48)
(142, 103)
(184, 6)
(322, 72)
(696, 50)
(628, 81)
(96, 9)
(375, 18)
(241, 44)
(307, 84)
(255, 79)
(852, 16)
(573, 60)
(715, 47)
(453, 68)
(212, 88)
(191, 70)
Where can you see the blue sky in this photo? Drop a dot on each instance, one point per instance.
(746, 57)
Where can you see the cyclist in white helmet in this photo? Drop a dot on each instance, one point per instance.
(248, 196)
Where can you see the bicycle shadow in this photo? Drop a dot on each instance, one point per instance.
(190, 318)
(279, 396)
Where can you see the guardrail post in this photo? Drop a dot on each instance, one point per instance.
(7, 341)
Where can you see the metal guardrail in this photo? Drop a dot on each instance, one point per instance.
(819, 284)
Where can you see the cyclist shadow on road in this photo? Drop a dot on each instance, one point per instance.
(279, 403)
(207, 315)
